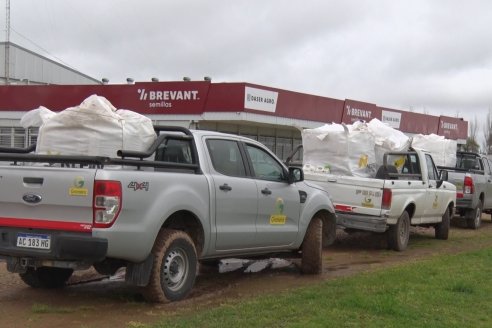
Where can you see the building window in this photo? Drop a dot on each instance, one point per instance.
(283, 148)
(17, 137)
(32, 134)
(254, 137)
(5, 137)
(269, 142)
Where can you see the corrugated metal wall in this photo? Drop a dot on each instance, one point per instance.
(27, 67)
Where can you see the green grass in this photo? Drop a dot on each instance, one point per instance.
(46, 308)
(41, 308)
(445, 291)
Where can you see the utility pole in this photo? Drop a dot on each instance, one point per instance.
(7, 41)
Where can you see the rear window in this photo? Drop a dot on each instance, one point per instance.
(468, 162)
(174, 151)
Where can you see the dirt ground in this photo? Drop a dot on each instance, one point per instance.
(94, 301)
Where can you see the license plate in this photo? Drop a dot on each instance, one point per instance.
(27, 240)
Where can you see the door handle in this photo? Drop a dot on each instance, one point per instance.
(33, 180)
(225, 187)
(266, 191)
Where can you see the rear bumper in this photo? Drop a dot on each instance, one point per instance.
(361, 222)
(65, 246)
(464, 203)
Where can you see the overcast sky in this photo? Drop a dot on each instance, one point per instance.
(420, 55)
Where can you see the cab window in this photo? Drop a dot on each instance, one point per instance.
(174, 151)
(265, 166)
(431, 168)
(226, 157)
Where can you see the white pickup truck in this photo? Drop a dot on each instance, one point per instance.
(415, 194)
(194, 196)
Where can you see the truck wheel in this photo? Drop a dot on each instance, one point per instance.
(399, 233)
(46, 277)
(312, 257)
(174, 268)
(474, 217)
(441, 229)
(329, 231)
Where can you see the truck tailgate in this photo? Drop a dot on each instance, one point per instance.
(46, 197)
(351, 194)
(457, 178)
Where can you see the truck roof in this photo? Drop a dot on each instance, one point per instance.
(201, 133)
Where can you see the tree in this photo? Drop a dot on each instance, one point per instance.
(471, 145)
(487, 133)
(471, 142)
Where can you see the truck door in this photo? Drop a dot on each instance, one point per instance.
(277, 223)
(236, 196)
(433, 203)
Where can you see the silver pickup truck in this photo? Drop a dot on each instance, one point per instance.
(194, 196)
(472, 177)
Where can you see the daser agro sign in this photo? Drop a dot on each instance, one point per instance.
(393, 119)
(259, 99)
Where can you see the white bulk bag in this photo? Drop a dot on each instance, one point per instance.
(94, 128)
(36, 117)
(339, 149)
(443, 150)
(387, 139)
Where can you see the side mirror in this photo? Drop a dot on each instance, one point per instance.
(296, 174)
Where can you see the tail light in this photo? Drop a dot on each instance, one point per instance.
(468, 187)
(106, 204)
(386, 201)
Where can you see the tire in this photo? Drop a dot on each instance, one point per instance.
(46, 277)
(329, 231)
(174, 268)
(399, 233)
(441, 230)
(312, 255)
(474, 217)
